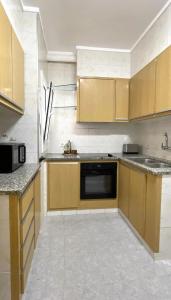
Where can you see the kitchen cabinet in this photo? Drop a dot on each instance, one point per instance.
(18, 71)
(142, 92)
(5, 55)
(137, 198)
(37, 197)
(163, 82)
(122, 100)
(153, 210)
(63, 185)
(103, 100)
(96, 101)
(124, 184)
(12, 67)
(17, 243)
(140, 202)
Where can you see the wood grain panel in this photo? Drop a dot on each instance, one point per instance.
(5, 55)
(124, 184)
(25, 225)
(37, 200)
(122, 99)
(26, 200)
(26, 247)
(137, 196)
(17, 71)
(63, 185)
(96, 100)
(153, 207)
(163, 82)
(25, 272)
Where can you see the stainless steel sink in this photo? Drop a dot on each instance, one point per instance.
(150, 162)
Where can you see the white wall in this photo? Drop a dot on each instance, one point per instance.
(153, 43)
(25, 128)
(103, 63)
(85, 137)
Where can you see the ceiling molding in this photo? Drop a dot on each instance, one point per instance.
(102, 49)
(151, 25)
(30, 8)
(59, 56)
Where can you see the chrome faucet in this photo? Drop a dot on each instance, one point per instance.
(165, 145)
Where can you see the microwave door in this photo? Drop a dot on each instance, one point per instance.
(22, 154)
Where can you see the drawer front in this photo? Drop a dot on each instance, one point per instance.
(26, 200)
(25, 225)
(27, 245)
(25, 272)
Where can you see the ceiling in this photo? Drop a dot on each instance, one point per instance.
(95, 23)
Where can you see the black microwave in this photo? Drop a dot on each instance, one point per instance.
(12, 156)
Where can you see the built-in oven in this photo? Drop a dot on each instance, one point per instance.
(98, 181)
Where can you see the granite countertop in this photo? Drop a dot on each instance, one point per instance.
(18, 181)
(115, 156)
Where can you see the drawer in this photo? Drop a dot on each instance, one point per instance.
(25, 224)
(27, 244)
(26, 200)
(25, 272)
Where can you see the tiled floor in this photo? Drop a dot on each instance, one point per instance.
(94, 257)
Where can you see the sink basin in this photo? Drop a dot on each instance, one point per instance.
(150, 162)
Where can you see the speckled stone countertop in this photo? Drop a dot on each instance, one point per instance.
(115, 156)
(18, 181)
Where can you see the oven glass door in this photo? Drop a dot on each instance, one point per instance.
(98, 184)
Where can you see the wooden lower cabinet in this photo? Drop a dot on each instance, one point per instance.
(137, 198)
(153, 211)
(124, 183)
(17, 242)
(140, 202)
(63, 185)
(37, 205)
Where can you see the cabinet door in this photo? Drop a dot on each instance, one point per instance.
(63, 185)
(18, 71)
(96, 100)
(134, 109)
(163, 82)
(137, 198)
(5, 55)
(153, 207)
(146, 87)
(37, 204)
(124, 181)
(122, 99)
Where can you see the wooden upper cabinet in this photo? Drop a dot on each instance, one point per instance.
(146, 87)
(96, 100)
(137, 198)
(5, 55)
(124, 181)
(18, 71)
(163, 82)
(122, 99)
(142, 92)
(63, 185)
(134, 108)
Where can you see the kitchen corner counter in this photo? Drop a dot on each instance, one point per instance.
(18, 181)
(52, 157)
